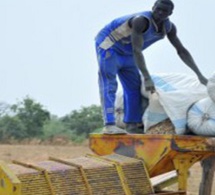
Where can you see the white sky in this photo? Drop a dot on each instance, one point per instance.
(47, 47)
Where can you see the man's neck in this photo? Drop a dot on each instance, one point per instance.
(158, 24)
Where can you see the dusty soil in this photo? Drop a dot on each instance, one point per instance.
(35, 153)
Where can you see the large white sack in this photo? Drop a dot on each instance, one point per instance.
(119, 110)
(176, 93)
(201, 117)
(211, 87)
(172, 82)
(154, 113)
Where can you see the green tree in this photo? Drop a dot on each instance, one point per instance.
(32, 115)
(55, 127)
(84, 121)
(11, 127)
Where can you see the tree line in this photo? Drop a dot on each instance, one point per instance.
(29, 119)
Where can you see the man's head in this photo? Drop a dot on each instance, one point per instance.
(162, 9)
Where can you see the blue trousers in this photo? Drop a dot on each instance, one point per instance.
(112, 64)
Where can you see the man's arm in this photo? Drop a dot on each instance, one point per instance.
(184, 54)
(139, 25)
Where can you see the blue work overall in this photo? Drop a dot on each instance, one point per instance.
(115, 57)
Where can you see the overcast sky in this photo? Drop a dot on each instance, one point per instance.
(47, 47)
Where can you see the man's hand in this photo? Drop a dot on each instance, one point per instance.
(203, 80)
(149, 85)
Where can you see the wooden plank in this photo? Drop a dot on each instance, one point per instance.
(164, 180)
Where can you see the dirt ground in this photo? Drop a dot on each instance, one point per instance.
(36, 153)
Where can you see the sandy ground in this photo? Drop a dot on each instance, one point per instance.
(35, 153)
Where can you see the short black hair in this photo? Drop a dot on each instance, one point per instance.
(166, 2)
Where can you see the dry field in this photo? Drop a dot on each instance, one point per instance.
(34, 153)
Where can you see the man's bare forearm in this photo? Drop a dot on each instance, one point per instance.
(140, 61)
(189, 61)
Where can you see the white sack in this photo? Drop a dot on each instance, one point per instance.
(176, 93)
(154, 113)
(119, 110)
(211, 87)
(201, 117)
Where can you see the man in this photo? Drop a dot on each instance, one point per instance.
(119, 47)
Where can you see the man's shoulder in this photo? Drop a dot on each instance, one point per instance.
(140, 23)
(169, 25)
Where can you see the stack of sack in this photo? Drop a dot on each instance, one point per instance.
(167, 110)
(175, 94)
(201, 115)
